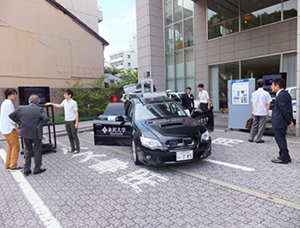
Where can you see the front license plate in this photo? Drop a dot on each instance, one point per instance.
(184, 155)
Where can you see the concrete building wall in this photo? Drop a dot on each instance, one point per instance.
(86, 10)
(150, 41)
(41, 46)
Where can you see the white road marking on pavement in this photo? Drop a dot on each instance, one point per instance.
(139, 177)
(229, 165)
(226, 142)
(63, 145)
(89, 155)
(112, 165)
(33, 198)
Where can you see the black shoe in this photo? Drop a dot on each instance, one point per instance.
(278, 161)
(260, 141)
(290, 160)
(250, 140)
(17, 168)
(27, 173)
(39, 171)
(70, 151)
(76, 152)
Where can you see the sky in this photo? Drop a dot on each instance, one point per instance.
(118, 25)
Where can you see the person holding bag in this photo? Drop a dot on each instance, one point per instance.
(260, 110)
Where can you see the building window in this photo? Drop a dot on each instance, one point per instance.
(128, 56)
(260, 12)
(179, 42)
(169, 41)
(188, 33)
(223, 15)
(168, 12)
(129, 64)
(290, 9)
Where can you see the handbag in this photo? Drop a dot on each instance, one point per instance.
(249, 123)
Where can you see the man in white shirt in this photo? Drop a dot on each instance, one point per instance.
(71, 119)
(204, 98)
(260, 110)
(10, 130)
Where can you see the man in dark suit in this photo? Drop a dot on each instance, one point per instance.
(31, 118)
(188, 100)
(282, 116)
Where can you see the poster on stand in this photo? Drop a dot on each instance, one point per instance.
(240, 92)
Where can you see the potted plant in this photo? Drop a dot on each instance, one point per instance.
(223, 110)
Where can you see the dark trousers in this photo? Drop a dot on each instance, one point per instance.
(204, 106)
(35, 151)
(280, 134)
(72, 133)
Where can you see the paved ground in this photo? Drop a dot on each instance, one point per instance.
(237, 186)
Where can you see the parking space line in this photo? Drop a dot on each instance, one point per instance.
(229, 165)
(38, 205)
(221, 183)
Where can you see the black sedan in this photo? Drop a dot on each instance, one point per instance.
(157, 129)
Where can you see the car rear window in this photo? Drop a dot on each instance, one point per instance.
(115, 109)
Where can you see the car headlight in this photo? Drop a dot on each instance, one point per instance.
(205, 136)
(150, 143)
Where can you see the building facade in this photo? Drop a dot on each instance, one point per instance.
(87, 11)
(44, 44)
(123, 60)
(184, 43)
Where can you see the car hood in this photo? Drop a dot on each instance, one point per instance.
(179, 127)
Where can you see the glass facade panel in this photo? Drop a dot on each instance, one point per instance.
(189, 62)
(168, 12)
(290, 8)
(178, 36)
(170, 84)
(180, 85)
(222, 17)
(219, 75)
(252, 68)
(179, 42)
(290, 67)
(188, 8)
(169, 40)
(177, 10)
(191, 83)
(256, 13)
(170, 65)
(188, 33)
(179, 64)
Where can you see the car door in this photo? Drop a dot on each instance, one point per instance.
(113, 130)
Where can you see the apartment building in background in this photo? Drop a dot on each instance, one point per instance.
(125, 59)
(45, 44)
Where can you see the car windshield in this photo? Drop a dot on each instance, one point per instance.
(158, 110)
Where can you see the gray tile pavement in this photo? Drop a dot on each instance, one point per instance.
(101, 187)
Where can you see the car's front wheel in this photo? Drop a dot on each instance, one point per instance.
(134, 153)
